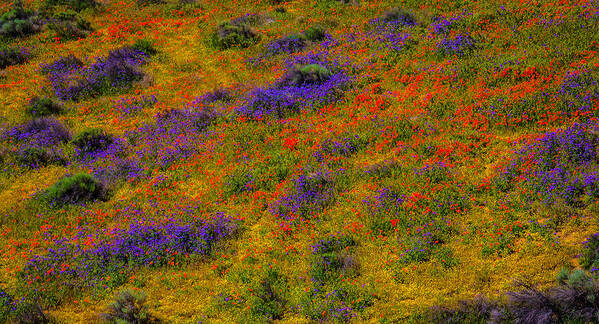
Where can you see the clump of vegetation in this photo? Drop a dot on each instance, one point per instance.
(19, 22)
(399, 17)
(10, 56)
(478, 310)
(75, 189)
(41, 107)
(145, 46)
(149, 2)
(459, 44)
(332, 258)
(235, 33)
(314, 33)
(63, 65)
(92, 141)
(590, 255)
(69, 25)
(268, 298)
(303, 74)
(129, 307)
(35, 157)
(43, 132)
(76, 5)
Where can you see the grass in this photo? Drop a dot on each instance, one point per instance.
(433, 155)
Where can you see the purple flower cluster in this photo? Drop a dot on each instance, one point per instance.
(84, 260)
(132, 105)
(332, 244)
(111, 171)
(72, 81)
(579, 91)
(218, 94)
(310, 194)
(40, 132)
(288, 44)
(282, 98)
(458, 44)
(442, 25)
(339, 147)
(13, 56)
(562, 165)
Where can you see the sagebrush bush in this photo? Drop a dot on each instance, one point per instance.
(75, 189)
(10, 56)
(236, 33)
(92, 141)
(129, 307)
(478, 310)
(42, 107)
(19, 22)
(148, 2)
(69, 25)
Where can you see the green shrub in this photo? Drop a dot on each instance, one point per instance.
(590, 254)
(129, 307)
(75, 189)
(41, 107)
(236, 33)
(76, 5)
(146, 46)
(10, 56)
(91, 141)
(19, 21)
(314, 33)
(69, 25)
(34, 157)
(268, 300)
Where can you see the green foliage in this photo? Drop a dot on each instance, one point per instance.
(233, 34)
(19, 22)
(314, 33)
(76, 5)
(41, 107)
(78, 188)
(590, 254)
(35, 157)
(69, 25)
(129, 307)
(91, 141)
(267, 300)
(146, 46)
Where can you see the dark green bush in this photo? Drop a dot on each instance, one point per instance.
(146, 46)
(35, 157)
(91, 141)
(236, 33)
(590, 254)
(148, 2)
(129, 307)
(314, 33)
(75, 189)
(69, 25)
(41, 107)
(19, 22)
(306, 74)
(10, 56)
(268, 300)
(76, 5)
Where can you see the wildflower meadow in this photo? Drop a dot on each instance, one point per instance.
(323, 161)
